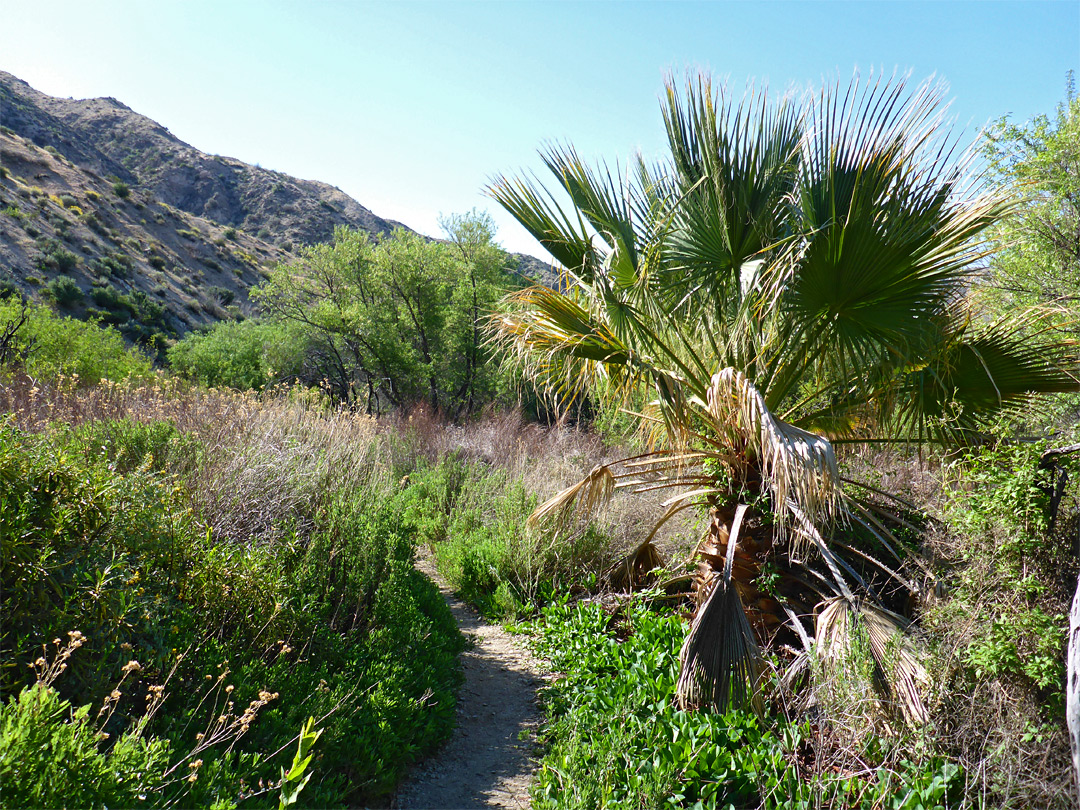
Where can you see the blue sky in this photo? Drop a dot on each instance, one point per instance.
(412, 107)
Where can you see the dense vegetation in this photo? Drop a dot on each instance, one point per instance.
(209, 596)
(209, 587)
(376, 325)
(796, 277)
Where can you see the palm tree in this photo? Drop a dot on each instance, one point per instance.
(793, 275)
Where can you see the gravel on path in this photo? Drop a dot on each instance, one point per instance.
(488, 762)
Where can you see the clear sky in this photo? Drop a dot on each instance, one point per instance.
(411, 107)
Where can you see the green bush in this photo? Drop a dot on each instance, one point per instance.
(51, 757)
(97, 534)
(56, 256)
(63, 291)
(476, 521)
(1011, 584)
(121, 190)
(614, 738)
(65, 346)
(245, 356)
(114, 264)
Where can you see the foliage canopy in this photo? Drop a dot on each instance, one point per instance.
(797, 271)
(397, 322)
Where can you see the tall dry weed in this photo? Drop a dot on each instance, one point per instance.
(545, 459)
(264, 460)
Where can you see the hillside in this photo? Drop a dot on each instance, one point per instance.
(105, 136)
(180, 244)
(142, 264)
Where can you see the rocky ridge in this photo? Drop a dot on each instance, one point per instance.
(159, 237)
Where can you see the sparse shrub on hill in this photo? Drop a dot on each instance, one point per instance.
(63, 291)
(54, 255)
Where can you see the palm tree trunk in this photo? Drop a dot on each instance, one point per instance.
(754, 547)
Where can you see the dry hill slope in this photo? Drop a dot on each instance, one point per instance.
(181, 243)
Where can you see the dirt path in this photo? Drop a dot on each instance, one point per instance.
(484, 763)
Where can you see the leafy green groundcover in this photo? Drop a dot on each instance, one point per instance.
(614, 738)
(338, 626)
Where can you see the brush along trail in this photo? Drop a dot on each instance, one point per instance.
(488, 760)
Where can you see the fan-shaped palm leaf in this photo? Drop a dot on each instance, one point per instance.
(811, 262)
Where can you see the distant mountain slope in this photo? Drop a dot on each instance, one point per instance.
(189, 236)
(109, 138)
(149, 268)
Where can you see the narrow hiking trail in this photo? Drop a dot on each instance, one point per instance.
(486, 763)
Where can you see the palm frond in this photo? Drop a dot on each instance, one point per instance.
(720, 659)
(796, 466)
(588, 494)
(563, 235)
(898, 675)
(976, 371)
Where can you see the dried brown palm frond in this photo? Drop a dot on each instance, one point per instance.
(588, 494)
(796, 467)
(635, 570)
(641, 473)
(896, 652)
(897, 674)
(720, 659)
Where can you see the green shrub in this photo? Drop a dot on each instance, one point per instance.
(116, 264)
(336, 624)
(62, 345)
(230, 233)
(51, 757)
(55, 255)
(244, 355)
(121, 190)
(1009, 583)
(63, 291)
(223, 295)
(615, 739)
(475, 520)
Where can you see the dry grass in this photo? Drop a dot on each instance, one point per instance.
(1000, 726)
(263, 459)
(546, 460)
(271, 452)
